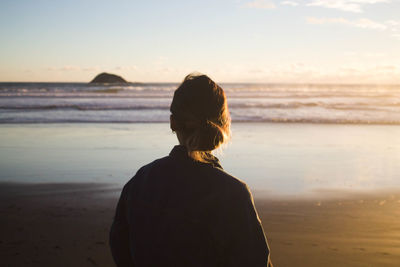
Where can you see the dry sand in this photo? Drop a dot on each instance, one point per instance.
(68, 225)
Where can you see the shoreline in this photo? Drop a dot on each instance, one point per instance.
(9, 189)
(282, 158)
(44, 224)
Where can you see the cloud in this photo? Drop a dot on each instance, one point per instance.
(374, 69)
(394, 23)
(64, 68)
(370, 73)
(70, 68)
(289, 3)
(345, 5)
(260, 4)
(125, 68)
(397, 36)
(359, 23)
(368, 55)
(355, 6)
(392, 26)
(303, 72)
(95, 68)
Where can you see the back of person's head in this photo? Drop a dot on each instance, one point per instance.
(200, 115)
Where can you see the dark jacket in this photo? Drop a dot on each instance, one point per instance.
(180, 212)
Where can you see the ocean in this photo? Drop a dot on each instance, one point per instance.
(286, 139)
(308, 103)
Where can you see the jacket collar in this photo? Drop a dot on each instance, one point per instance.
(180, 151)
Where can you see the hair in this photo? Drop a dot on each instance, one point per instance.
(200, 110)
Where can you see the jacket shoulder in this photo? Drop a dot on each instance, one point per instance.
(230, 184)
(148, 167)
(220, 179)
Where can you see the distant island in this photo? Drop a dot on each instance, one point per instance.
(108, 78)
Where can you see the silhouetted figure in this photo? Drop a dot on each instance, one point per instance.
(183, 209)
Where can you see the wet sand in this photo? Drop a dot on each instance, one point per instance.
(68, 224)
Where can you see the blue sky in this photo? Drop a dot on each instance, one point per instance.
(347, 41)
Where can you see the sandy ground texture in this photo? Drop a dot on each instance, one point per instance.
(68, 225)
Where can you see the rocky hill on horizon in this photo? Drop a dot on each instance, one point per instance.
(105, 77)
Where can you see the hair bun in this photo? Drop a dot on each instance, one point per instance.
(200, 107)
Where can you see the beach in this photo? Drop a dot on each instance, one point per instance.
(299, 100)
(327, 195)
(68, 225)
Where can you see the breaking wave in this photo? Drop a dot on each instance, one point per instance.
(74, 102)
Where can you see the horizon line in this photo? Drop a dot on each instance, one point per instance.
(269, 83)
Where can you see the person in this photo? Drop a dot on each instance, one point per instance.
(184, 209)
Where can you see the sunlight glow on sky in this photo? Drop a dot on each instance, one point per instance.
(300, 41)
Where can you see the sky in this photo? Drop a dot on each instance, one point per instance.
(268, 41)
